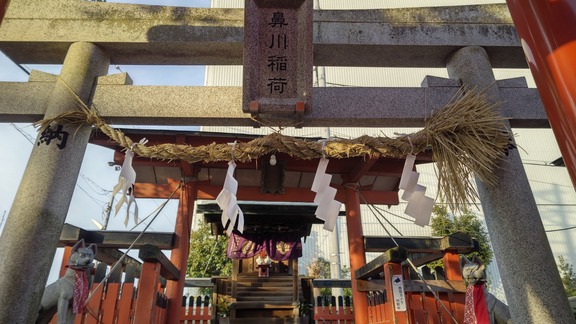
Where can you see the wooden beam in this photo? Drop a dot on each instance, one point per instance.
(137, 161)
(332, 283)
(457, 242)
(199, 282)
(386, 166)
(437, 286)
(210, 192)
(111, 256)
(115, 239)
(376, 266)
(151, 253)
(415, 285)
(362, 168)
(427, 258)
(413, 244)
(159, 191)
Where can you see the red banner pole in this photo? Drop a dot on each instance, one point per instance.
(3, 8)
(547, 30)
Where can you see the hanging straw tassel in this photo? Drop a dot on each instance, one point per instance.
(467, 137)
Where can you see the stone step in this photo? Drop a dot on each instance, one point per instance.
(272, 278)
(255, 273)
(263, 284)
(277, 278)
(263, 294)
(263, 305)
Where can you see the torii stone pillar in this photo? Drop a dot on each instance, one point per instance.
(33, 228)
(531, 281)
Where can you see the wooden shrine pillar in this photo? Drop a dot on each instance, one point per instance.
(453, 271)
(181, 250)
(147, 291)
(3, 8)
(151, 298)
(396, 301)
(357, 252)
(547, 31)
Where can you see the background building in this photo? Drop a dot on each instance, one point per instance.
(549, 180)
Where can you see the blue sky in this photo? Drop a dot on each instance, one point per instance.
(97, 178)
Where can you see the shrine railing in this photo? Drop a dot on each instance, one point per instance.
(327, 309)
(396, 293)
(197, 310)
(114, 295)
(113, 300)
(334, 310)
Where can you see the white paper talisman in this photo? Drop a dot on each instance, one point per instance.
(398, 293)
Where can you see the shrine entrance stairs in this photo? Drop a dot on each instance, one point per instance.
(270, 299)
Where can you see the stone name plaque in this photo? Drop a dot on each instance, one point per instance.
(277, 56)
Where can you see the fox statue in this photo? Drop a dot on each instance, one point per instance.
(68, 294)
(473, 271)
(474, 275)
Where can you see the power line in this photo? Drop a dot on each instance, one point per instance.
(22, 68)
(550, 183)
(103, 192)
(98, 202)
(23, 133)
(86, 178)
(544, 163)
(561, 229)
(391, 213)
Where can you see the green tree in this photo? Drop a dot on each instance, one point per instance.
(346, 275)
(320, 268)
(442, 224)
(208, 254)
(568, 276)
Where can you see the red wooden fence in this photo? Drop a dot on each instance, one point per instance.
(117, 301)
(114, 300)
(327, 310)
(195, 310)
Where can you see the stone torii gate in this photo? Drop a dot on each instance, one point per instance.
(86, 37)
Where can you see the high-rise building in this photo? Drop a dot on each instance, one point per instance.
(549, 179)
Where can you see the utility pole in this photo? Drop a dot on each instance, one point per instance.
(2, 221)
(108, 212)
